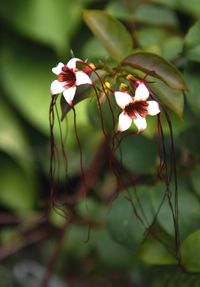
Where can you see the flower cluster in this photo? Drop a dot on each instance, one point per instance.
(134, 109)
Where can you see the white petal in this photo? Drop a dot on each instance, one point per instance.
(56, 87)
(141, 123)
(69, 95)
(58, 69)
(72, 63)
(141, 93)
(153, 108)
(82, 78)
(122, 99)
(124, 122)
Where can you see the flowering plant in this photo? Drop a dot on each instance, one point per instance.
(124, 92)
(120, 200)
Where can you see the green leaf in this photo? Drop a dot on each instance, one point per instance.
(173, 277)
(172, 47)
(154, 252)
(167, 3)
(189, 139)
(91, 209)
(48, 21)
(75, 243)
(172, 98)
(110, 32)
(192, 43)
(26, 80)
(138, 154)
(93, 50)
(158, 67)
(188, 7)
(12, 139)
(189, 208)
(130, 216)
(82, 93)
(57, 217)
(160, 203)
(148, 36)
(194, 54)
(123, 224)
(109, 252)
(192, 74)
(190, 250)
(18, 189)
(195, 178)
(118, 10)
(108, 112)
(151, 14)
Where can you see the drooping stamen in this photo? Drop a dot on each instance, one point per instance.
(98, 100)
(137, 107)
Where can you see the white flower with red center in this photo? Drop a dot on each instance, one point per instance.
(135, 108)
(69, 77)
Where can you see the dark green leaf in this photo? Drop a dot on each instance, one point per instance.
(190, 139)
(48, 21)
(130, 215)
(117, 9)
(149, 36)
(82, 93)
(194, 54)
(172, 98)
(157, 67)
(189, 208)
(151, 14)
(138, 154)
(167, 3)
(125, 228)
(192, 43)
(171, 48)
(173, 277)
(75, 243)
(188, 7)
(91, 209)
(110, 253)
(192, 74)
(160, 203)
(110, 32)
(190, 250)
(108, 113)
(195, 178)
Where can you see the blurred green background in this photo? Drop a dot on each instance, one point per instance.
(35, 36)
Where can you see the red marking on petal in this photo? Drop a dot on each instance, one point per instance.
(137, 107)
(68, 77)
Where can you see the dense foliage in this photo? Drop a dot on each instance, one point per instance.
(116, 209)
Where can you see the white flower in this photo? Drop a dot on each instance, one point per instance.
(69, 77)
(135, 108)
